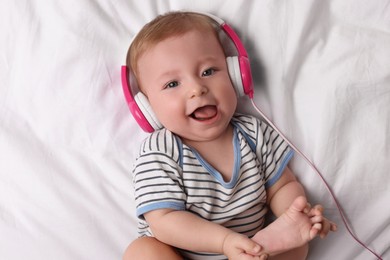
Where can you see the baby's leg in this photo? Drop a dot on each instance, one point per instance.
(149, 248)
(292, 229)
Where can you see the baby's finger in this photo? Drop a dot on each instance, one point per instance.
(263, 257)
(317, 210)
(251, 257)
(333, 226)
(319, 207)
(250, 247)
(316, 219)
(260, 257)
(307, 209)
(327, 226)
(315, 230)
(325, 229)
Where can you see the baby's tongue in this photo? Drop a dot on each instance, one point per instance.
(205, 112)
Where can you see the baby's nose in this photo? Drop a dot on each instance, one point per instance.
(197, 90)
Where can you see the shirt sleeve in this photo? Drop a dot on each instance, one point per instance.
(157, 180)
(273, 151)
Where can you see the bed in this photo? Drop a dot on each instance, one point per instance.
(68, 141)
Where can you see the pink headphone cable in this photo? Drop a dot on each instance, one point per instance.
(322, 178)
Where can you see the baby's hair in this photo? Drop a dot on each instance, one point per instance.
(164, 26)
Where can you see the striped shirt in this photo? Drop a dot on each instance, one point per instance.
(170, 174)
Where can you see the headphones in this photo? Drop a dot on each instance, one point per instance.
(239, 72)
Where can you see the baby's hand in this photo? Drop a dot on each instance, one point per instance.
(240, 247)
(320, 222)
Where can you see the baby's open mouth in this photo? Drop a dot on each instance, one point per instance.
(204, 113)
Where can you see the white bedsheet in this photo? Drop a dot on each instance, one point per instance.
(67, 139)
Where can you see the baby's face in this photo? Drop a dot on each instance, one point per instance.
(187, 83)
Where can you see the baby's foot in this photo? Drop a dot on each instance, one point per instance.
(292, 229)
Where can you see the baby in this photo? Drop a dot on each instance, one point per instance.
(203, 183)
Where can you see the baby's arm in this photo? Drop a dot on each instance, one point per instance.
(185, 230)
(282, 194)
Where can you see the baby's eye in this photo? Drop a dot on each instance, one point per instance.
(208, 72)
(172, 84)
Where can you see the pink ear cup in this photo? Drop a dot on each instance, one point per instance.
(132, 104)
(246, 76)
(243, 61)
(240, 75)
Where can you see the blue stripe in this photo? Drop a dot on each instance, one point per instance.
(236, 167)
(159, 205)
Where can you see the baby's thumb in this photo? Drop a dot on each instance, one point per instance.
(252, 248)
(263, 257)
